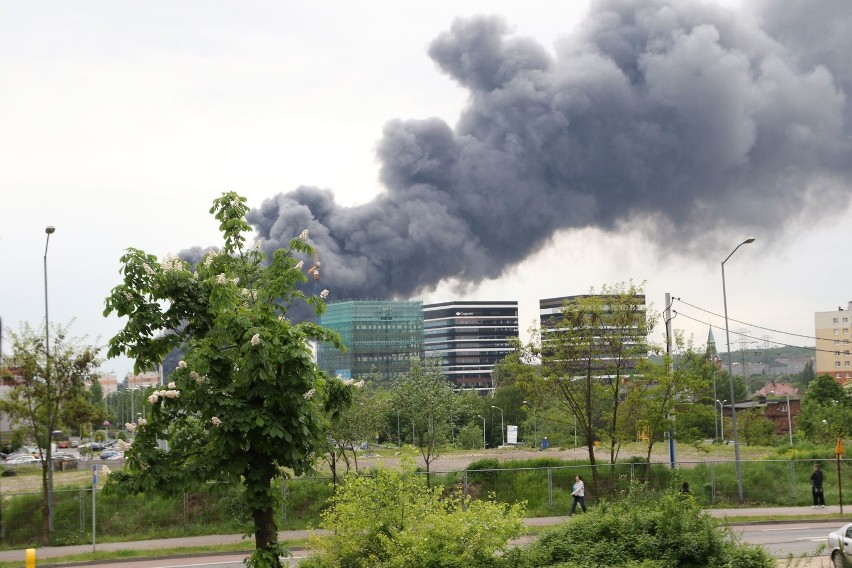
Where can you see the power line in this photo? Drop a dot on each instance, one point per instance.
(752, 324)
(750, 337)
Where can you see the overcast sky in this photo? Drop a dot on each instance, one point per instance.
(121, 122)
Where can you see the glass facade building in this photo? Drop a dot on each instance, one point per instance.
(469, 338)
(380, 336)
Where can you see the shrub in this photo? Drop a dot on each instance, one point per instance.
(394, 520)
(643, 530)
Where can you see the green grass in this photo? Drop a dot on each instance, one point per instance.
(101, 556)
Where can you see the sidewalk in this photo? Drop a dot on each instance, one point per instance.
(794, 513)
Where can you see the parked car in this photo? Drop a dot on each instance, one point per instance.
(112, 455)
(22, 460)
(840, 547)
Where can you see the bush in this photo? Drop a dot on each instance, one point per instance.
(394, 520)
(644, 530)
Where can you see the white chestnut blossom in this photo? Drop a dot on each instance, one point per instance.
(310, 394)
(130, 426)
(303, 235)
(324, 294)
(141, 422)
(172, 385)
(221, 279)
(196, 377)
(215, 421)
(182, 364)
(300, 264)
(257, 245)
(349, 382)
(172, 263)
(255, 339)
(154, 397)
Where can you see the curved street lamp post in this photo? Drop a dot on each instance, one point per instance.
(731, 376)
(49, 230)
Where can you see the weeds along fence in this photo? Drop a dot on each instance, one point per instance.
(219, 509)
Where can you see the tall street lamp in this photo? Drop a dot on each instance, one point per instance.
(49, 230)
(502, 427)
(731, 375)
(789, 420)
(721, 404)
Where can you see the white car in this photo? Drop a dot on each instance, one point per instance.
(19, 460)
(840, 546)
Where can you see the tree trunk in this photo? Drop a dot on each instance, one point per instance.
(45, 520)
(265, 532)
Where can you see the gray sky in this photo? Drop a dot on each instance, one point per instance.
(121, 122)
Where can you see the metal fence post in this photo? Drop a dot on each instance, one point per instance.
(464, 484)
(550, 486)
(713, 482)
(283, 501)
(793, 481)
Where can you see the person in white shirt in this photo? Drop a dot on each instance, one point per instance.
(579, 493)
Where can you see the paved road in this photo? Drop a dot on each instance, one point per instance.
(781, 539)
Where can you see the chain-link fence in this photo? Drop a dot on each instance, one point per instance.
(219, 509)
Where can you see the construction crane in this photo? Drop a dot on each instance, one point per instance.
(314, 273)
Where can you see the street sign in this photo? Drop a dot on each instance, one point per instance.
(94, 475)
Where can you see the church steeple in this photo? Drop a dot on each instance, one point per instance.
(711, 354)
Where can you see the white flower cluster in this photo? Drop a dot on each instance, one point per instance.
(172, 385)
(324, 294)
(221, 279)
(181, 364)
(157, 395)
(142, 422)
(300, 264)
(172, 263)
(257, 245)
(235, 202)
(128, 296)
(147, 269)
(131, 427)
(215, 421)
(211, 256)
(310, 394)
(353, 383)
(255, 339)
(196, 377)
(303, 235)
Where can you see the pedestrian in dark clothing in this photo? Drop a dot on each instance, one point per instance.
(816, 487)
(579, 493)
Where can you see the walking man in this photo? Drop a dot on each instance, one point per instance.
(579, 493)
(816, 487)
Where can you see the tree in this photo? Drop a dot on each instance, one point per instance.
(352, 426)
(659, 391)
(826, 411)
(588, 354)
(248, 399)
(426, 398)
(45, 391)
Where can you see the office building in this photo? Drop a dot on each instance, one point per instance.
(832, 344)
(607, 340)
(380, 337)
(469, 338)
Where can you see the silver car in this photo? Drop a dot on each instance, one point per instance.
(840, 546)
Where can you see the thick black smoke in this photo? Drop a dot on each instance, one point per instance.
(670, 115)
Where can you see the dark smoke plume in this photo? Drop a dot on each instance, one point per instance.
(672, 116)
